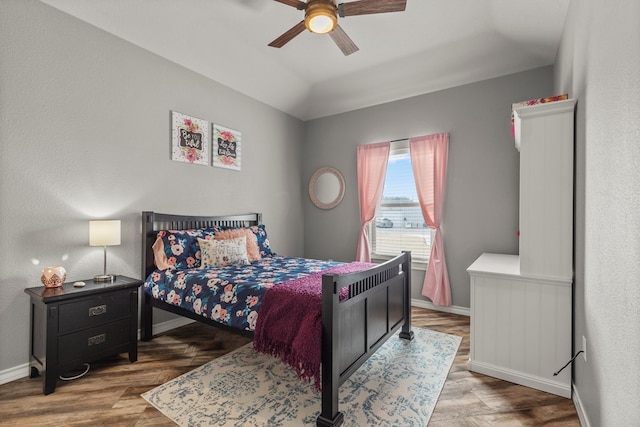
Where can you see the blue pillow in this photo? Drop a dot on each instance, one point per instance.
(263, 241)
(179, 249)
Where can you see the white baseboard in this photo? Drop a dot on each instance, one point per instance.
(582, 416)
(523, 378)
(14, 373)
(464, 311)
(169, 324)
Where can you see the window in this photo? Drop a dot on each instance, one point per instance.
(399, 225)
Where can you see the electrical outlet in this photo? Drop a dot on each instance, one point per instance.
(584, 348)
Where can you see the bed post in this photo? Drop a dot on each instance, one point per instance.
(146, 309)
(406, 332)
(146, 318)
(329, 415)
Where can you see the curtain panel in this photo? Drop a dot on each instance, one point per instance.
(429, 156)
(372, 168)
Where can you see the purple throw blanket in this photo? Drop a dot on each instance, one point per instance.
(289, 324)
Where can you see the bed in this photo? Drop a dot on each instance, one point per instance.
(360, 310)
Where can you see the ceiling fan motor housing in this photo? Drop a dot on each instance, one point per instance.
(321, 16)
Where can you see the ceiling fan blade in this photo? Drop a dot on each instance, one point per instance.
(367, 7)
(344, 42)
(300, 5)
(288, 35)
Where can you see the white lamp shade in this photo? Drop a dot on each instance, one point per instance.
(104, 233)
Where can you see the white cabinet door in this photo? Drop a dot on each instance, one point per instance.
(545, 134)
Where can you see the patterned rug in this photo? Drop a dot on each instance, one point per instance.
(398, 386)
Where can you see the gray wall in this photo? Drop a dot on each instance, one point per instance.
(481, 208)
(84, 133)
(598, 64)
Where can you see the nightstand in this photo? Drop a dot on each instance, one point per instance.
(71, 326)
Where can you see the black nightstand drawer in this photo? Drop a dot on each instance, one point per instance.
(88, 312)
(93, 343)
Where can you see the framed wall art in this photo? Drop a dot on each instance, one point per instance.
(226, 148)
(189, 139)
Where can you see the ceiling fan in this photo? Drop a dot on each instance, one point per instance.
(321, 17)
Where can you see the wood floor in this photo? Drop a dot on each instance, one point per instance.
(109, 395)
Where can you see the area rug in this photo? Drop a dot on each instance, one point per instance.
(398, 386)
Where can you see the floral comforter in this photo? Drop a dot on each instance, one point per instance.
(230, 295)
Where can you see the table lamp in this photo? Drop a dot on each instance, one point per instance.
(104, 233)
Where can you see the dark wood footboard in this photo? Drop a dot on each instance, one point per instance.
(353, 329)
(378, 305)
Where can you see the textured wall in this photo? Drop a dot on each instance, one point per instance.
(598, 64)
(481, 209)
(84, 132)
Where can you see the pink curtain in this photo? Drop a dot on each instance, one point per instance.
(372, 168)
(429, 162)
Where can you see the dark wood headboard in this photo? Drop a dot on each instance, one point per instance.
(152, 222)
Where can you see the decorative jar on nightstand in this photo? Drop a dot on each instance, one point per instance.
(52, 277)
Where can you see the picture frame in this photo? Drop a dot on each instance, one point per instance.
(227, 148)
(189, 139)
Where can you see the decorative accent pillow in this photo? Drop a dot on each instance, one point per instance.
(263, 241)
(179, 249)
(221, 253)
(253, 253)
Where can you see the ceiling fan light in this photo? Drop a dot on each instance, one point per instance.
(321, 24)
(320, 17)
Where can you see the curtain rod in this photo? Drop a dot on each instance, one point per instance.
(404, 139)
(401, 139)
(410, 137)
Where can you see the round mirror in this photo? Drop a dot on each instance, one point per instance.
(326, 188)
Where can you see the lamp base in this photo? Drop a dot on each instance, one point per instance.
(101, 278)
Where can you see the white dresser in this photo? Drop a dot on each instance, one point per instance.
(521, 304)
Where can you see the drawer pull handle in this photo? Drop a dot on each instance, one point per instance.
(98, 339)
(97, 310)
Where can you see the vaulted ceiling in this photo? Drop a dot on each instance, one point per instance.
(432, 45)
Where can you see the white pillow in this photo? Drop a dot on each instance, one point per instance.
(221, 253)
